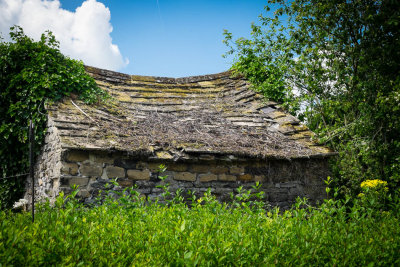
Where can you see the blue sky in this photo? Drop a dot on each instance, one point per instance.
(172, 38)
(176, 38)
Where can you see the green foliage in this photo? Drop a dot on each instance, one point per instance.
(264, 61)
(32, 75)
(340, 61)
(131, 231)
(374, 193)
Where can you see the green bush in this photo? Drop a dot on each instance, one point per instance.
(336, 65)
(32, 75)
(132, 231)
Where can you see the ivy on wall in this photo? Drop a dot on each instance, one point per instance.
(32, 75)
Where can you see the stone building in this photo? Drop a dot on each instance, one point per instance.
(210, 131)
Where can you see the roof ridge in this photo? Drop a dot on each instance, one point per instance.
(122, 77)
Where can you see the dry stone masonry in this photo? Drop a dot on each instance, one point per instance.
(210, 131)
(48, 168)
(281, 180)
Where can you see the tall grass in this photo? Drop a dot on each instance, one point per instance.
(132, 231)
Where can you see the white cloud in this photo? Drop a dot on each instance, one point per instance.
(83, 34)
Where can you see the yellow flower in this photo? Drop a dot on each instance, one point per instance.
(374, 183)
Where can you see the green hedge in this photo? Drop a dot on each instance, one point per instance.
(130, 231)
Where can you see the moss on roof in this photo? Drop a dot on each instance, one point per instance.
(172, 118)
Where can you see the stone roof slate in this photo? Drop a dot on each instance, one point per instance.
(176, 118)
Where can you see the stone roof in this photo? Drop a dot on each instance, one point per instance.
(178, 118)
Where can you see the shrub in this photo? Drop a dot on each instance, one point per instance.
(374, 194)
(131, 231)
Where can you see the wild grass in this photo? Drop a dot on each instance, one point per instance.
(132, 231)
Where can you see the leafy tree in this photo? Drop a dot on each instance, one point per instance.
(32, 74)
(336, 64)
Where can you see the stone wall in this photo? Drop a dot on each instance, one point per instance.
(47, 168)
(282, 180)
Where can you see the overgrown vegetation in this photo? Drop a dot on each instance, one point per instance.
(132, 231)
(336, 64)
(32, 75)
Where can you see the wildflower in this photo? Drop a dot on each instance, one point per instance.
(374, 190)
(376, 183)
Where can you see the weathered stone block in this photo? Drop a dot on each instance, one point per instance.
(200, 168)
(91, 169)
(185, 176)
(288, 185)
(98, 184)
(177, 167)
(163, 155)
(259, 178)
(144, 191)
(83, 193)
(226, 177)
(125, 182)
(101, 158)
(81, 181)
(236, 170)
(157, 190)
(77, 156)
(138, 174)
(245, 177)
(115, 172)
(154, 166)
(219, 169)
(144, 184)
(69, 168)
(67, 190)
(207, 177)
(142, 165)
(222, 190)
(207, 157)
(56, 183)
